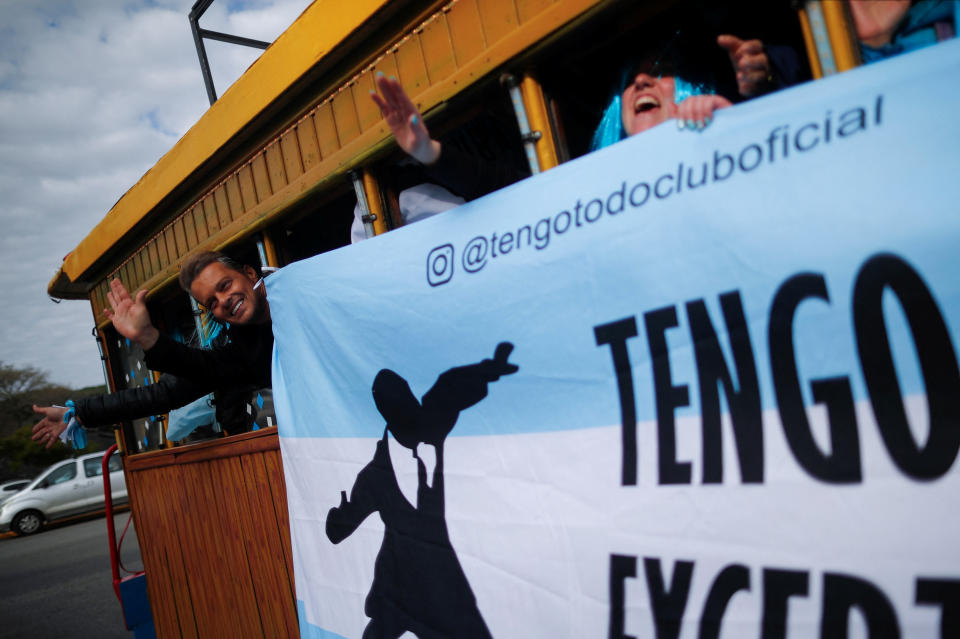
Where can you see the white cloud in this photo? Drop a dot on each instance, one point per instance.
(92, 93)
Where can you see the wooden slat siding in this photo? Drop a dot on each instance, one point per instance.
(223, 205)
(326, 126)
(210, 215)
(171, 245)
(234, 196)
(216, 554)
(275, 170)
(307, 141)
(290, 151)
(238, 589)
(278, 490)
(162, 251)
(368, 114)
(481, 35)
(465, 31)
(155, 265)
(202, 553)
(387, 65)
(527, 9)
(277, 584)
(269, 587)
(438, 50)
(174, 507)
(411, 68)
(199, 222)
(498, 17)
(190, 226)
(248, 187)
(345, 115)
(261, 179)
(181, 237)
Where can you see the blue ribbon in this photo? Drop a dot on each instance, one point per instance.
(75, 434)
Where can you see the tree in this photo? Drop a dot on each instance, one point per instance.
(16, 381)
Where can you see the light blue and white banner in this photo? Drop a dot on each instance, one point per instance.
(692, 385)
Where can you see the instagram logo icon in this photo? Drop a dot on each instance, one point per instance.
(440, 265)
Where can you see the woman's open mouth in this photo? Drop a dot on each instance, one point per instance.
(645, 103)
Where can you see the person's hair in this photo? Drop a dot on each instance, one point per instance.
(194, 264)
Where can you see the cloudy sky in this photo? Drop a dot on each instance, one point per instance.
(92, 93)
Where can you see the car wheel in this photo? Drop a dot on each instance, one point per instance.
(27, 522)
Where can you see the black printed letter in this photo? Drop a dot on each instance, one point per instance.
(938, 363)
(616, 335)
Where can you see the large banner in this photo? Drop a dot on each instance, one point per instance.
(693, 385)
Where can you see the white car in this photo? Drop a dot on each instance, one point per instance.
(67, 488)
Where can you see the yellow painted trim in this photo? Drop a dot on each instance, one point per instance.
(539, 120)
(270, 249)
(318, 30)
(812, 57)
(842, 35)
(372, 190)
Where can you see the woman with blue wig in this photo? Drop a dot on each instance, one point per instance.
(654, 91)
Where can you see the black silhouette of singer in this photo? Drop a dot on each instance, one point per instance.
(418, 583)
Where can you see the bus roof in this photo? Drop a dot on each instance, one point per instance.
(317, 31)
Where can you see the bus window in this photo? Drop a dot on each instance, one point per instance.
(582, 79)
(317, 226)
(481, 151)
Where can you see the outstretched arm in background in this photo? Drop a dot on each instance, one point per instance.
(168, 393)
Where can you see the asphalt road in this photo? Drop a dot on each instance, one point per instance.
(57, 583)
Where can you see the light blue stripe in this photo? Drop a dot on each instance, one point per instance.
(310, 631)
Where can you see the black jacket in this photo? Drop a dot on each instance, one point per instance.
(233, 371)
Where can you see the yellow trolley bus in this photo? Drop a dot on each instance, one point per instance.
(272, 173)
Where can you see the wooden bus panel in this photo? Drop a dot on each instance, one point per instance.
(527, 9)
(248, 188)
(411, 67)
(345, 117)
(123, 274)
(368, 113)
(139, 271)
(199, 222)
(275, 170)
(171, 244)
(438, 49)
(499, 18)
(234, 196)
(190, 226)
(290, 149)
(211, 216)
(161, 248)
(307, 141)
(465, 31)
(326, 128)
(181, 236)
(223, 205)
(215, 547)
(387, 65)
(281, 585)
(153, 257)
(261, 178)
(278, 491)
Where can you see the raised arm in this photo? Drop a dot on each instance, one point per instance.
(130, 316)
(404, 120)
(168, 393)
(342, 520)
